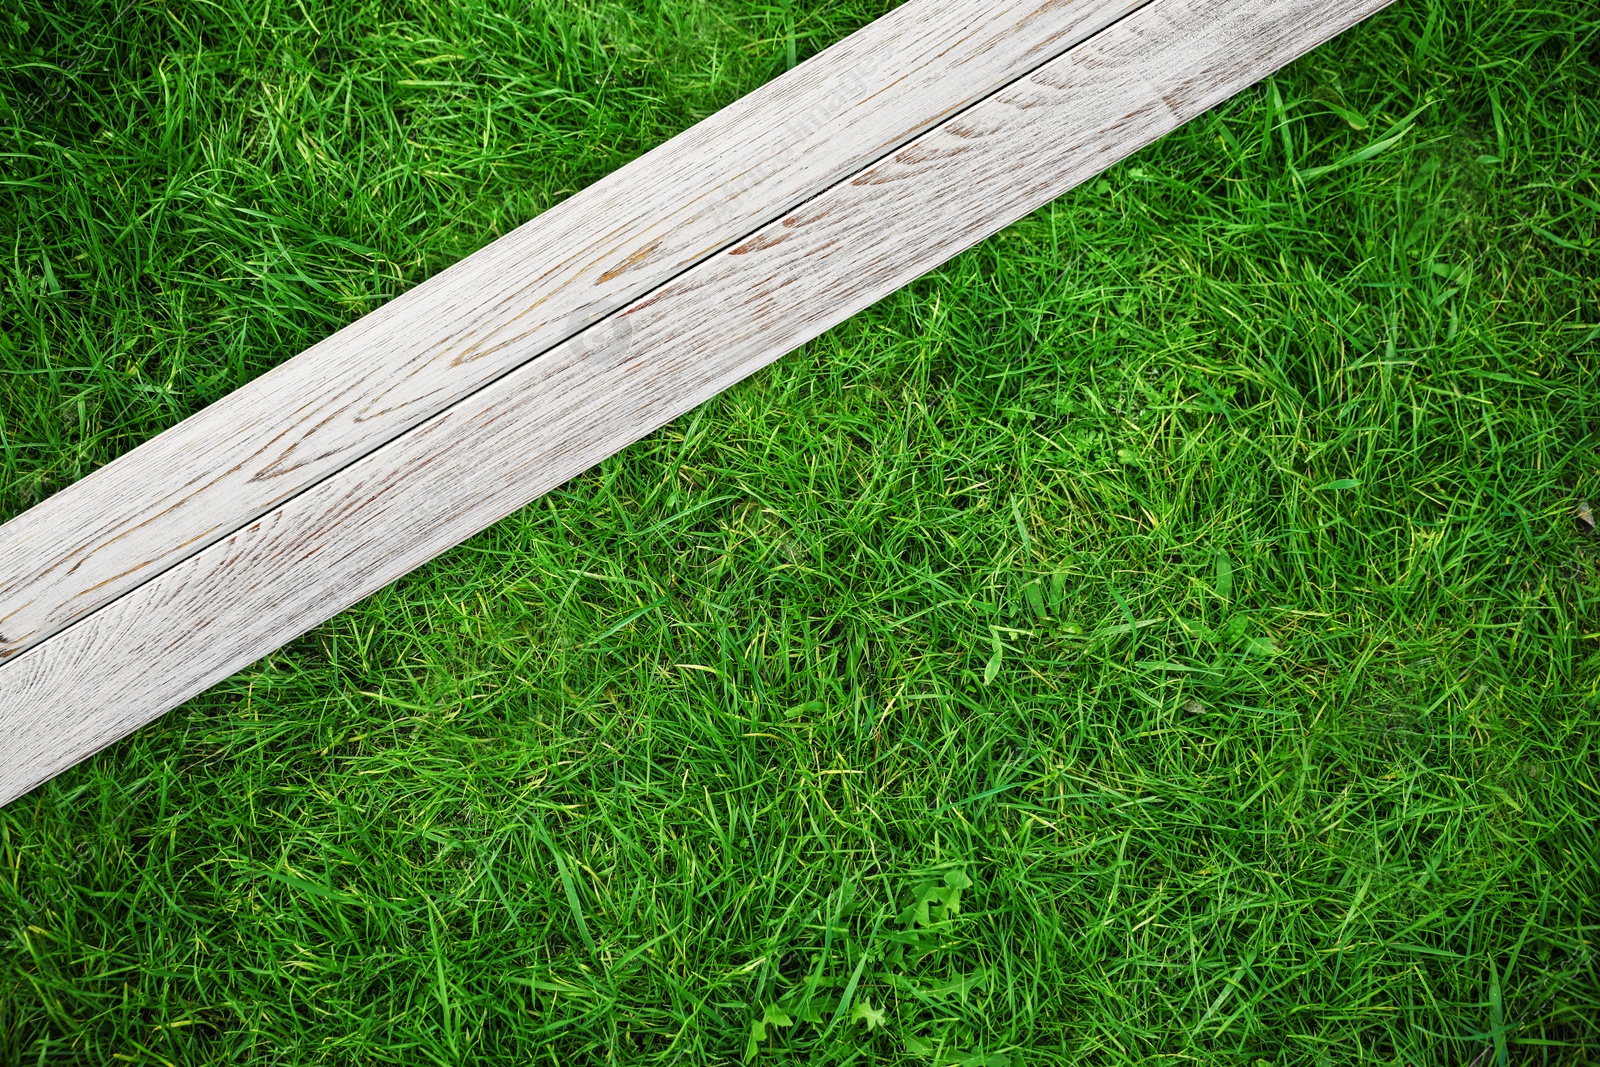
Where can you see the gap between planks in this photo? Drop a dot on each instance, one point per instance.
(552, 418)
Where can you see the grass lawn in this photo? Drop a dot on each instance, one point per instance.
(1165, 634)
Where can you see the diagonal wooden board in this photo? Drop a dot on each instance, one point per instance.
(588, 256)
(531, 429)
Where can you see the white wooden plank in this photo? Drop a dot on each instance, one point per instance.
(556, 416)
(375, 379)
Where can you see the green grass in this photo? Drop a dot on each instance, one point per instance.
(1162, 635)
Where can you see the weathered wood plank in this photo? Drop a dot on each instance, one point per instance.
(584, 258)
(556, 416)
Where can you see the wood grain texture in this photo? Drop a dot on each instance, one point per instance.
(584, 258)
(556, 416)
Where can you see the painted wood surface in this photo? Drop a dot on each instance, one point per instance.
(712, 325)
(584, 258)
